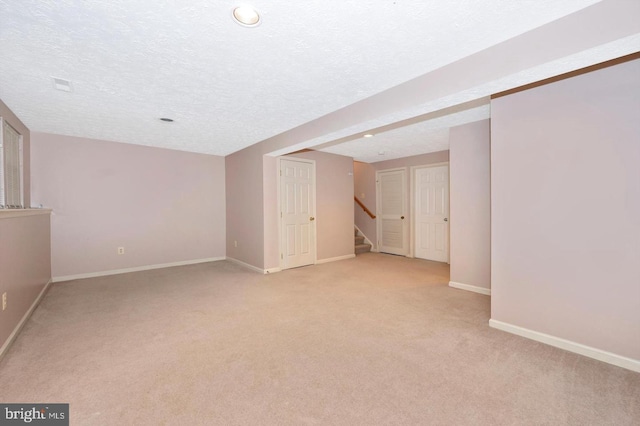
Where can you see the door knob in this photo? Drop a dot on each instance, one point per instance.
(446, 220)
(401, 217)
(312, 218)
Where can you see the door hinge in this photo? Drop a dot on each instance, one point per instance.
(281, 214)
(280, 172)
(281, 256)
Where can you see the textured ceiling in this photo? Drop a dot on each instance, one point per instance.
(421, 138)
(131, 62)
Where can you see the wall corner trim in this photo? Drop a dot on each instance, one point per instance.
(12, 337)
(568, 345)
(473, 288)
(333, 259)
(134, 269)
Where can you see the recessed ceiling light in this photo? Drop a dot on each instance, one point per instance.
(381, 153)
(247, 16)
(368, 135)
(168, 120)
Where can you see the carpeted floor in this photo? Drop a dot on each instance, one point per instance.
(375, 340)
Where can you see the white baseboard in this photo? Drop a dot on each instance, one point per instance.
(568, 345)
(333, 259)
(251, 267)
(24, 319)
(475, 289)
(272, 270)
(134, 269)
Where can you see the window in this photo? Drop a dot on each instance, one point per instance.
(10, 167)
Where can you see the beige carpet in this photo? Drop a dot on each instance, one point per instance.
(370, 341)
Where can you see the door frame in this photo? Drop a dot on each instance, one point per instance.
(315, 201)
(407, 227)
(412, 206)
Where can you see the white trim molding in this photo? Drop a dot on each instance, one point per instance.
(333, 259)
(366, 239)
(134, 269)
(568, 345)
(23, 321)
(251, 267)
(10, 213)
(473, 288)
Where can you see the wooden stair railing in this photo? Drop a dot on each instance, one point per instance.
(366, 210)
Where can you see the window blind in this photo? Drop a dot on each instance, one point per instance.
(10, 167)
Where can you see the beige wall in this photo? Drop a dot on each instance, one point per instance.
(334, 203)
(270, 180)
(15, 122)
(565, 187)
(162, 206)
(245, 206)
(253, 211)
(25, 247)
(25, 265)
(470, 204)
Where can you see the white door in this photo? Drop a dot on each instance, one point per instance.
(432, 213)
(297, 211)
(392, 224)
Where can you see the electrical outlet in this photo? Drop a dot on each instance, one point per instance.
(120, 250)
(235, 244)
(4, 300)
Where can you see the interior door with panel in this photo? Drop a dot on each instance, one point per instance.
(392, 222)
(432, 213)
(297, 213)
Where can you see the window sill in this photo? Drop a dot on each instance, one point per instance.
(11, 213)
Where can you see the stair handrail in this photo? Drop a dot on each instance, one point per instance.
(366, 210)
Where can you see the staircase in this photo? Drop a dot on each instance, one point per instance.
(361, 246)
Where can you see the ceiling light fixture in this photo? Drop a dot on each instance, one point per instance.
(246, 16)
(168, 120)
(368, 135)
